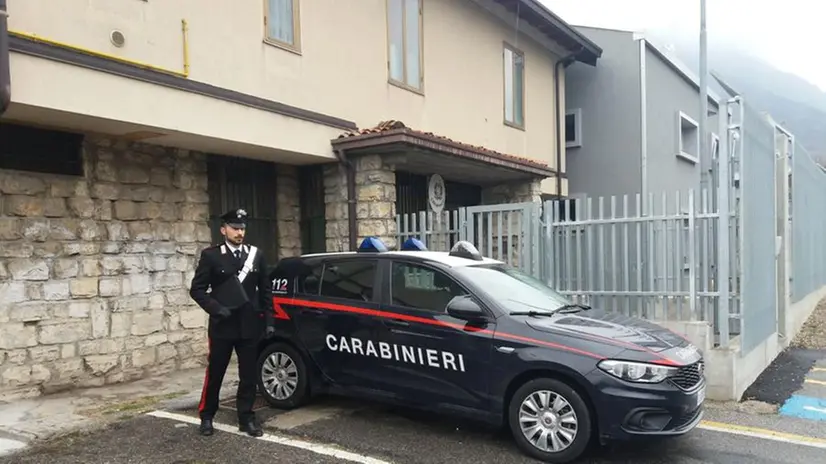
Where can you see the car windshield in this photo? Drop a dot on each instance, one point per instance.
(514, 289)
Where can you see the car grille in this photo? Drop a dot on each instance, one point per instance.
(689, 376)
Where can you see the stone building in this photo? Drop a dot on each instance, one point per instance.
(114, 166)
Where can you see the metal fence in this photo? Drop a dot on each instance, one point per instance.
(757, 215)
(651, 258)
(808, 224)
(733, 255)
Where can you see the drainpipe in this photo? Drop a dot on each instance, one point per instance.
(563, 63)
(350, 171)
(5, 65)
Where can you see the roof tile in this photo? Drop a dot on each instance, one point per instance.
(395, 125)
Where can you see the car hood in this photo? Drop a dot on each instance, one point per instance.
(624, 332)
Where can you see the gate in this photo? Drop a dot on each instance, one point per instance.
(508, 232)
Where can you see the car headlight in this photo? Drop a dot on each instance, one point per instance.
(637, 372)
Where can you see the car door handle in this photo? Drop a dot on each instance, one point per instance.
(314, 312)
(397, 323)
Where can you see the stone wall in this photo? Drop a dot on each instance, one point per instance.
(95, 271)
(375, 202)
(288, 211)
(515, 192)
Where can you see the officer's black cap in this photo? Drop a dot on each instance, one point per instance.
(236, 218)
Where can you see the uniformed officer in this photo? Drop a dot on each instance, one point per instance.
(240, 312)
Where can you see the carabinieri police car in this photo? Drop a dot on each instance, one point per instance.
(459, 333)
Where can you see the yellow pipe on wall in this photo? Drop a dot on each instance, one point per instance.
(140, 64)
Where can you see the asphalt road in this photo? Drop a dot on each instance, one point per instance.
(374, 434)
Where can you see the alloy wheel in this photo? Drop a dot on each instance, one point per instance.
(548, 421)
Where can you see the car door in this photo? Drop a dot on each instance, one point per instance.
(441, 359)
(333, 318)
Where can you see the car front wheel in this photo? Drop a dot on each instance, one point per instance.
(282, 376)
(550, 421)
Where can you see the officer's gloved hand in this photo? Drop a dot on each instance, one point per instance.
(223, 313)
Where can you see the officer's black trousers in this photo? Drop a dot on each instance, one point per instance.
(220, 352)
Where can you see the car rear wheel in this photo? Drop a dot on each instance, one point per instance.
(550, 421)
(282, 376)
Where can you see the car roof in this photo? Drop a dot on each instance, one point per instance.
(441, 257)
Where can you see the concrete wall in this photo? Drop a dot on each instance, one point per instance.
(667, 94)
(341, 69)
(608, 162)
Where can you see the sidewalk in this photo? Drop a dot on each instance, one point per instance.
(51, 416)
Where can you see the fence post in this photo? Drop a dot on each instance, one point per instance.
(692, 266)
(462, 224)
(723, 232)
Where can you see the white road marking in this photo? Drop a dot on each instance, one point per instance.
(764, 434)
(326, 450)
(812, 408)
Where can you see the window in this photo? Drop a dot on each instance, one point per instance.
(351, 280)
(688, 138)
(573, 128)
(404, 28)
(514, 289)
(310, 284)
(514, 87)
(282, 24)
(44, 151)
(423, 288)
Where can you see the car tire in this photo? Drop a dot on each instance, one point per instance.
(292, 367)
(560, 422)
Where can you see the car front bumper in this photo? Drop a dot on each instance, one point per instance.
(627, 410)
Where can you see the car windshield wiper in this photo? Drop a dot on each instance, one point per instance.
(530, 313)
(568, 307)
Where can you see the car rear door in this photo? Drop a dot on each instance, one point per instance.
(440, 359)
(334, 321)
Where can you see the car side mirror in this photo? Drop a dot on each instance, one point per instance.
(463, 307)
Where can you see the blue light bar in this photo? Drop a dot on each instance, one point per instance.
(413, 244)
(372, 245)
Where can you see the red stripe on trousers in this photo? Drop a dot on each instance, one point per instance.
(202, 405)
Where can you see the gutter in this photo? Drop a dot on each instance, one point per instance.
(5, 61)
(350, 171)
(564, 62)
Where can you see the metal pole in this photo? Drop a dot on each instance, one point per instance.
(705, 160)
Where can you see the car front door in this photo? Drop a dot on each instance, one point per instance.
(435, 358)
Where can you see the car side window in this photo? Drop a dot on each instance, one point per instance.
(310, 284)
(351, 280)
(421, 287)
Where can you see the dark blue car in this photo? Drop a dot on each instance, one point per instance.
(458, 333)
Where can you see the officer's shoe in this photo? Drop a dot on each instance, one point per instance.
(206, 428)
(251, 428)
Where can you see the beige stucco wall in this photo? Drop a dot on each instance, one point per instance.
(341, 71)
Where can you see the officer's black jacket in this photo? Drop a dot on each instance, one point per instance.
(248, 321)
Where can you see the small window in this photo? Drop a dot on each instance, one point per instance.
(350, 280)
(423, 288)
(514, 87)
(25, 148)
(573, 128)
(404, 28)
(688, 138)
(282, 24)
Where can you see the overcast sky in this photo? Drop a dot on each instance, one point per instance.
(786, 36)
